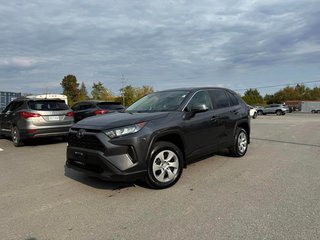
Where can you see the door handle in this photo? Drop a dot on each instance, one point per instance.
(214, 119)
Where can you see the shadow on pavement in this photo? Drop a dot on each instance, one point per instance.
(96, 182)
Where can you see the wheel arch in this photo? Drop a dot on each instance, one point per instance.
(173, 137)
(246, 126)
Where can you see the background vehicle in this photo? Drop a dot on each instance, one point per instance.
(278, 109)
(86, 109)
(158, 135)
(253, 112)
(26, 118)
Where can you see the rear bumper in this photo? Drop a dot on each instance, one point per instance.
(44, 132)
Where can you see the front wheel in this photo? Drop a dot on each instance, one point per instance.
(240, 143)
(15, 134)
(164, 166)
(279, 112)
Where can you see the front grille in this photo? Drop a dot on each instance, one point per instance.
(87, 141)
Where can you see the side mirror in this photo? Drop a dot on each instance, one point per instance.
(199, 108)
(194, 110)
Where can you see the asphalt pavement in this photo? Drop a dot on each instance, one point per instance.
(271, 193)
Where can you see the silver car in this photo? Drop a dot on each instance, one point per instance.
(278, 109)
(26, 118)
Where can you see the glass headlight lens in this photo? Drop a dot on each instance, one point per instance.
(118, 132)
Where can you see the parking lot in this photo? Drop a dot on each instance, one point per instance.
(271, 193)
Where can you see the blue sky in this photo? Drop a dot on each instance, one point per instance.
(164, 44)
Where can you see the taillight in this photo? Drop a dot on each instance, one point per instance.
(70, 114)
(100, 111)
(29, 114)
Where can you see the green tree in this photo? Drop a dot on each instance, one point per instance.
(99, 92)
(131, 94)
(83, 93)
(70, 86)
(144, 90)
(253, 97)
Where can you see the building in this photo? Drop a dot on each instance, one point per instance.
(303, 105)
(7, 97)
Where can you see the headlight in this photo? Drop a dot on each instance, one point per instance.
(118, 132)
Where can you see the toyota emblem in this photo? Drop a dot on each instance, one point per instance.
(81, 133)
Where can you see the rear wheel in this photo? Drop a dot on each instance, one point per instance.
(279, 112)
(240, 143)
(15, 134)
(165, 165)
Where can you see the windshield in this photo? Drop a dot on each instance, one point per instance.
(159, 101)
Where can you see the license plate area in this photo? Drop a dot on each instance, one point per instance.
(79, 158)
(53, 118)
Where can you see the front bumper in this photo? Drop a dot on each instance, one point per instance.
(95, 155)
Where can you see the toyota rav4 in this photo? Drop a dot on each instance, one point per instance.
(158, 135)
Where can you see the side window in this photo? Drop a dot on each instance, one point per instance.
(199, 98)
(76, 107)
(8, 108)
(16, 105)
(233, 99)
(219, 98)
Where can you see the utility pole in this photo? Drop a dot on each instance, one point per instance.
(122, 92)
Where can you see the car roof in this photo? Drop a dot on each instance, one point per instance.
(194, 89)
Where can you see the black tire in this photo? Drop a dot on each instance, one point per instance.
(260, 112)
(165, 172)
(240, 143)
(279, 112)
(15, 135)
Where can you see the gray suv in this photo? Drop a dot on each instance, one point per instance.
(278, 109)
(26, 118)
(158, 135)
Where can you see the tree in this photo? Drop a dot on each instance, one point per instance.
(83, 93)
(129, 95)
(99, 92)
(70, 86)
(253, 97)
(132, 94)
(144, 90)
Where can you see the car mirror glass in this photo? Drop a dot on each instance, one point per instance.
(199, 108)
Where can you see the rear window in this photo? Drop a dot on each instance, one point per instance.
(110, 106)
(48, 105)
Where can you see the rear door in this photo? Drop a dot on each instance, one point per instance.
(10, 115)
(224, 114)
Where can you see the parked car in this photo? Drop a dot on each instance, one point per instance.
(253, 112)
(90, 108)
(278, 109)
(315, 111)
(26, 118)
(154, 138)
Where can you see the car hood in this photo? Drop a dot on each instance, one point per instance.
(118, 119)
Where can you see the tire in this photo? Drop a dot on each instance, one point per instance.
(279, 112)
(164, 166)
(255, 115)
(260, 112)
(240, 143)
(15, 135)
